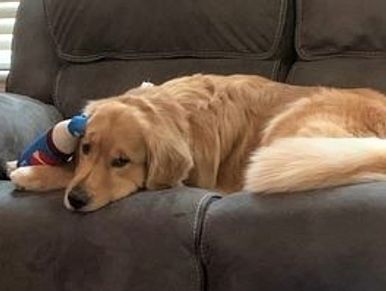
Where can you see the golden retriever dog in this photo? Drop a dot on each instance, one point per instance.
(225, 133)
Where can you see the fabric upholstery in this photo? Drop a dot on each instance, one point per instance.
(144, 242)
(147, 40)
(340, 28)
(340, 72)
(166, 29)
(324, 240)
(22, 119)
(79, 83)
(340, 43)
(34, 62)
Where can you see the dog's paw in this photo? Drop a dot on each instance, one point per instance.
(24, 179)
(10, 167)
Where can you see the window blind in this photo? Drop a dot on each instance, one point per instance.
(8, 10)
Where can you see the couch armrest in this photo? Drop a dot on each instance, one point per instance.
(332, 239)
(146, 242)
(21, 120)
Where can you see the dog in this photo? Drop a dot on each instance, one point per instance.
(225, 133)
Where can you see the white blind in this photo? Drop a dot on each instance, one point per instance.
(8, 10)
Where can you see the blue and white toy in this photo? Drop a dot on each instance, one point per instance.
(57, 145)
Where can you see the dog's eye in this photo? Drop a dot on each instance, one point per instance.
(120, 162)
(86, 148)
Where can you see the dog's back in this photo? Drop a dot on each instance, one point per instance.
(299, 137)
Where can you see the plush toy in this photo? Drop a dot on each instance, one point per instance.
(57, 145)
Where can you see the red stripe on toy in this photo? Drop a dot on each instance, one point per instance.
(39, 158)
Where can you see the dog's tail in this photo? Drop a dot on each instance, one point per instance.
(297, 164)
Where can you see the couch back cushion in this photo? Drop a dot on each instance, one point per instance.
(340, 43)
(341, 28)
(121, 29)
(108, 48)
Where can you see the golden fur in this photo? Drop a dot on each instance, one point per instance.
(225, 133)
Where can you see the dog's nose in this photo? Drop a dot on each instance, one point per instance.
(78, 198)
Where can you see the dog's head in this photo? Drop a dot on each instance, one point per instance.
(126, 148)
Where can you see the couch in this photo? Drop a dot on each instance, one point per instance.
(187, 239)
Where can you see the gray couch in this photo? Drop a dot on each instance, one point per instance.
(185, 239)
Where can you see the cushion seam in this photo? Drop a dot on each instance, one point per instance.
(275, 69)
(49, 25)
(167, 55)
(197, 228)
(55, 96)
(290, 77)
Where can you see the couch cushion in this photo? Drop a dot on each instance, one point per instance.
(341, 28)
(146, 242)
(86, 31)
(326, 240)
(340, 72)
(21, 120)
(81, 82)
(340, 43)
(113, 49)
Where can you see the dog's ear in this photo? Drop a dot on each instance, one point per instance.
(169, 159)
(92, 106)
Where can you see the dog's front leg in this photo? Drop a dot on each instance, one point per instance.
(40, 178)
